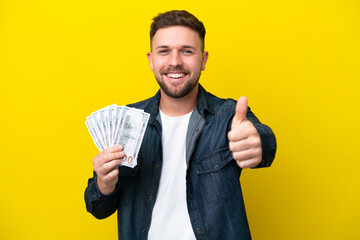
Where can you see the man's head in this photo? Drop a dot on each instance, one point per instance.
(177, 56)
(178, 18)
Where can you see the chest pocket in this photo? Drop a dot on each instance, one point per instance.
(218, 175)
(126, 184)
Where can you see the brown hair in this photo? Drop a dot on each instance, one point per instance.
(178, 18)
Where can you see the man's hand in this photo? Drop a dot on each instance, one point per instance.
(245, 142)
(106, 165)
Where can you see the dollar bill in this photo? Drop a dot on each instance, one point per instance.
(95, 126)
(141, 134)
(112, 120)
(130, 132)
(93, 133)
(122, 125)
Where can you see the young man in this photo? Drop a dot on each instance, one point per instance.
(186, 184)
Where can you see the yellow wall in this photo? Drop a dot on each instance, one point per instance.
(296, 61)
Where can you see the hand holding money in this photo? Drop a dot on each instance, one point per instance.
(106, 166)
(119, 125)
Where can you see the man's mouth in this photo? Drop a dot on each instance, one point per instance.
(175, 75)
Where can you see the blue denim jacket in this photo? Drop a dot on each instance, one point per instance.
(213, 192)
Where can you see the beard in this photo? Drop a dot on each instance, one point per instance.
(177, 91)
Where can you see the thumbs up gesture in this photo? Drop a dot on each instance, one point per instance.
(245, 142)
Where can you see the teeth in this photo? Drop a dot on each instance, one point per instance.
(175, 75)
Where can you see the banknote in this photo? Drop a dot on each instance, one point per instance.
(122, 125)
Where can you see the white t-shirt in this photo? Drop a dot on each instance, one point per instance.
(170, 217)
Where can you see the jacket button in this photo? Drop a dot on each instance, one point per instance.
(151, 198)
(143, 231)
(157, 165)
(197, 130)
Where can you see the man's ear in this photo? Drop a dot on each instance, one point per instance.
(205, 56)
(149, 56)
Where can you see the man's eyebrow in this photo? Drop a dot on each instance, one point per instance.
(185, 46)
(188, 46)
(162, 46)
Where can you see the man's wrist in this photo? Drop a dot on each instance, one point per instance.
(103, 188)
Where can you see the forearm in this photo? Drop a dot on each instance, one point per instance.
(98, 204)
(268, 140)
(268, 145)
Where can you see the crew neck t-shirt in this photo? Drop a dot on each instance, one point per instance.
(170, 217)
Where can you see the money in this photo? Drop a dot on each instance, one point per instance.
(122, 125)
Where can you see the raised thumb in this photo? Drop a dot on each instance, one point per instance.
(240, 111)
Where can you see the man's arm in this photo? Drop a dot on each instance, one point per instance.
(101, 194)
(253, 144)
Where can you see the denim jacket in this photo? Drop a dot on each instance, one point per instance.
(213, 192)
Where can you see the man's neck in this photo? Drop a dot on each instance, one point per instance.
(175, 107)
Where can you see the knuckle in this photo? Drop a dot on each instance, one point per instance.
(106, 157)
(254, 132)
(250, 124)
(231, 146)
(96, 159)
(104, 168)
(231, 135)
(100, 157)
(245, 164)
(254, 152)
(257, 141)
(112, 175)
(115, 173)
(96, 167)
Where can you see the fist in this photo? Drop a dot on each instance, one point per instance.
(245, 142)
(106, 165)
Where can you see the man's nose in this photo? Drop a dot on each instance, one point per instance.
(175, 59)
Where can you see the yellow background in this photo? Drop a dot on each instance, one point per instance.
(296, 61)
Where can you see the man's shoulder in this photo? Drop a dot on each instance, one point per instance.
(149, 105)
(141, 104)
(219, 106)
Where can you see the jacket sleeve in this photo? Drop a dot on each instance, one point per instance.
(268, 140)
(98, 204)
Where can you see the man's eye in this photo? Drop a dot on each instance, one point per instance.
(187, 51)
(163, 51)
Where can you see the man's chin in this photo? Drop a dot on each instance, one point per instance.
(178, 92)
(174, 94)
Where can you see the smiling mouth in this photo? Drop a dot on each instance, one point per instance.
(175, 75)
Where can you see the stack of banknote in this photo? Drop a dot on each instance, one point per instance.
(122, 125)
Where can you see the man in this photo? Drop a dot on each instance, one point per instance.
(186, 184)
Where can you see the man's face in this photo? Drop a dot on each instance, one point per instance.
(177, 60)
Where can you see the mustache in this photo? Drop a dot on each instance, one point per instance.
(174, 69)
